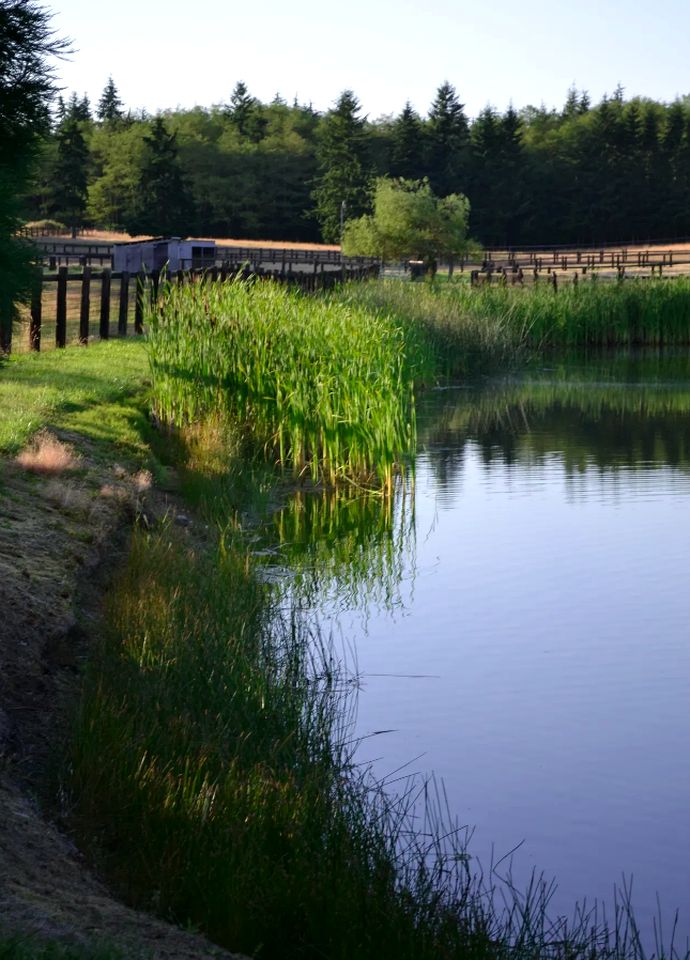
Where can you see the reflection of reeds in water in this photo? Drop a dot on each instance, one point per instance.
(348, 548)
(214, 774)
(321, 386)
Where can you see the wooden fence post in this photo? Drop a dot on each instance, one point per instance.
(61, 308)
(124, 305)
(104, 322)
(139, 303)
(36, 311)
(85, 306)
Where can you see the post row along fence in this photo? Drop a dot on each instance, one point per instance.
(564, 265)
(76, 307)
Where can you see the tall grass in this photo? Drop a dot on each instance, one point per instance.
(212, 769)
(215, 783)
(449, 331)
(214, 780)
(320, 386)
(468, 328)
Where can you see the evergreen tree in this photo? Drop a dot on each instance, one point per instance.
(162, 202)
(246, 113)
(497, 177)
(571, 108)
(576, 104)
(69, 181)
(78, 108)
(447, 142)
(407, 146)
(340, 190)
(27, 46)
(109, 109)
(60, 111)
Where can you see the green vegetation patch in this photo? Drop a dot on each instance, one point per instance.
(22, 948)
(470, 328)
(96, 391)
(211, 771)
(321, 386)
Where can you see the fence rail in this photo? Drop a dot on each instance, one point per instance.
(55, 252)
(571, 266)
(68, 298)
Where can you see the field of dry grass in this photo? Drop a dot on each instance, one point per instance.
(110, 236)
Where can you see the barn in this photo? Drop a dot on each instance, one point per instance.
(171, 253)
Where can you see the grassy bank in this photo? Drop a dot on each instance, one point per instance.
(98, 392)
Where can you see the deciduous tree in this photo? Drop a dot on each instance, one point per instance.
(410, 222)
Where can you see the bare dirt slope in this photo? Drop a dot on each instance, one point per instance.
(63, 530)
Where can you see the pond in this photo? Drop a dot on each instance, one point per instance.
(519, 622)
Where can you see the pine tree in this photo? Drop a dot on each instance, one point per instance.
(109, 109)
(343, 170)
(246, 113)
(162, 203)
(27, 45)
(69, 181)
(447, 142)
(78, 108)
(407, 147)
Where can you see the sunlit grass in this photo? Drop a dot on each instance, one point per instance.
(97, 390)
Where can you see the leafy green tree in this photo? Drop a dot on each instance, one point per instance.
(341, 182)
(162, 202)
(117, 157)
(27, 46)
(410, 222)
(109, 108)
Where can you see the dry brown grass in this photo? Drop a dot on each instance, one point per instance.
(46, 454)
(109, 235)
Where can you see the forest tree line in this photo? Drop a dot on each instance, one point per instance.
(585, 173)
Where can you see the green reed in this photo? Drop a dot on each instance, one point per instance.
(447, 330)
(466, 328)
(214, 780)
(321, 386)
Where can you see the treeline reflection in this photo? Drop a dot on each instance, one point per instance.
(588, 418)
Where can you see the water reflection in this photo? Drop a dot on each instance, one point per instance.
(585, 422)
(541, 664)
(346, 548)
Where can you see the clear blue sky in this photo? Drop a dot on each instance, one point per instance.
(186, 53)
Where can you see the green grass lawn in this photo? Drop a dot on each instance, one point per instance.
(98, 391)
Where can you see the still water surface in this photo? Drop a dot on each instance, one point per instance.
(520, 622)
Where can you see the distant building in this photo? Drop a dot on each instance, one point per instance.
(171, 253)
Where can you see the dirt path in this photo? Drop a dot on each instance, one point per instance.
(62, 533)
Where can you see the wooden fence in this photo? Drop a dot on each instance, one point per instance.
(568, 265)
(67, 298)
(56, 252)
